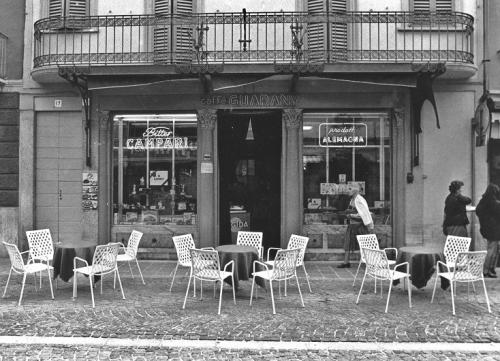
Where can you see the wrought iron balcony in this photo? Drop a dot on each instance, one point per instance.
(3, 56)
(257, 38)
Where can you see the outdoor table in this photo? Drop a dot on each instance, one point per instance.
(243, 257)
(64, 254)
(422, 261)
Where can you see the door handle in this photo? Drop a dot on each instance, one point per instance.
(60, 194)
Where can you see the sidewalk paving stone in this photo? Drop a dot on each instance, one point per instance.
(330, 315)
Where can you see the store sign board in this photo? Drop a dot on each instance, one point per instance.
(343, 135)
(157, 138)
(251, 100)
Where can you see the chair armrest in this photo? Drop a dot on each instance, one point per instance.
(444, 264)
(392, 248)
(122, 246)
(403, 264)
(79, 259)
(232, 266)
(270, 248)
(261, 263)
(208, 249)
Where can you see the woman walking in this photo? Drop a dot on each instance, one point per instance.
(488, 212)
(455, 217)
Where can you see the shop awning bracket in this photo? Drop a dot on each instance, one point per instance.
(77, 77)
(426, 73)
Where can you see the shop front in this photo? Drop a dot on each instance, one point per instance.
(191, 163)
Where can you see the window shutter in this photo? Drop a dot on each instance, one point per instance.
(55, 8)
(183, 33)
(338, 30)
(421, 5)
(316, 31)
(78, 8)
(444, 5)
(162, 31)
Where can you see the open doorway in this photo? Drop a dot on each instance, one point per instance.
(249, 151)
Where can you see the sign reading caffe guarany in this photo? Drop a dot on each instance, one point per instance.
(343, 135)
(157, 138)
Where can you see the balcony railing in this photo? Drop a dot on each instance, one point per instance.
(3, 56)
(264, 37)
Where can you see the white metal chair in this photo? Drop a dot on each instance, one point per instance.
(252, 239)
(295, 242)
(370, 241)
(182, 245)
(206, 267)
(285, 268)
(103, 262)
(468, 267)
(130, 253)
(31, 267)
(41, 246)
(453, 246)
(377, 267)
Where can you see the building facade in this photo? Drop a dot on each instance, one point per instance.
(180, 116)
(11, 70)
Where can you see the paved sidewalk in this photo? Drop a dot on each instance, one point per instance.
(154, 316)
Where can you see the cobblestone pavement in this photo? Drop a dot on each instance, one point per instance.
(151, 353)
(330, 315)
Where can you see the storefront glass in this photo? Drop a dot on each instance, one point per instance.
(154, 169)
(339, 149)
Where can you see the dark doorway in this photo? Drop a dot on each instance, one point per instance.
(249, 146)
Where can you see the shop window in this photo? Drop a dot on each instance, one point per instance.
(339, 150)
(154, 169)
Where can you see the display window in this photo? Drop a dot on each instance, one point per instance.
(154, 169)
(340, 149)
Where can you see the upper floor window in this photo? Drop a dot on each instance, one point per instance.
(68, 8)
(432, 5)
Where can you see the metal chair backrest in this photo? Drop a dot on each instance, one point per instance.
(40, 243)
(454, 245)
(469, 266)
(377, 264)
(104, 260)
(15, 257)
(205, 264)
(285, 264)
(298, 242)
(133, 243)
(369, 241)
(182, 246)
(252, 239)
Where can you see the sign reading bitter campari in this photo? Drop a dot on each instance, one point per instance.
(343, 135)
(157, 138)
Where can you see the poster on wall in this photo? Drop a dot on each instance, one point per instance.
(89, 191)
(360, 184)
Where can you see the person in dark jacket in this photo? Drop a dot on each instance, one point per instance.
(455, 217)
(488, 212)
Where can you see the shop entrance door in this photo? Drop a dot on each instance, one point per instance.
(249, 153)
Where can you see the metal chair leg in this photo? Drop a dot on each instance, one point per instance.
(7, 284)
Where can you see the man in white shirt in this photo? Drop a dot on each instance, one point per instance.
(359, 223)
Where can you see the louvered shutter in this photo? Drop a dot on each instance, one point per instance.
(316, 31)
(333, 24)
(432, 5)
(77, 8)
(183, 33)
(162, 31)
(55, 8)
(338, 30)
(444, 5)
(421, 5)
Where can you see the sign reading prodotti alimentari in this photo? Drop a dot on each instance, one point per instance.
(342, 135)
